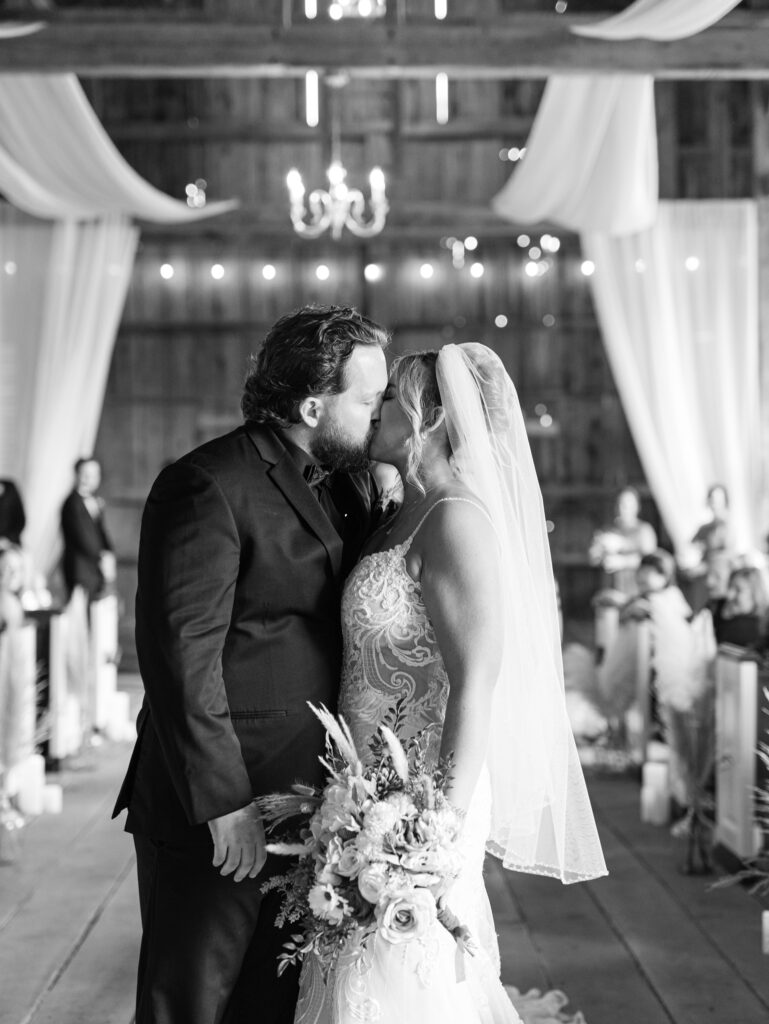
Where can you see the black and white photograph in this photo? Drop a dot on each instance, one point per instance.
(384, 511)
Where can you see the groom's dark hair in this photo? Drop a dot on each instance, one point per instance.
(305, 353)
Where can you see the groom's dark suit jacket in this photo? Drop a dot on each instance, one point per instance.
(237, 627)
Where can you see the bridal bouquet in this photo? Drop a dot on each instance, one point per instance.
(377, 846)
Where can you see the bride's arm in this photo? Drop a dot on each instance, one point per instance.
(461, 590)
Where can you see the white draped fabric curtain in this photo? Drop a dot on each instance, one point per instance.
(62, 284)
(678, 309)
(661, 20)
(682, 339)
(62, 290)
(591, 157)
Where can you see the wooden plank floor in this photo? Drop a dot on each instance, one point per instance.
(644, 946)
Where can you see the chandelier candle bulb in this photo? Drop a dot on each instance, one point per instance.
(295, 185)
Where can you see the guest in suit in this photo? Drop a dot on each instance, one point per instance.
(89, 560)
(244, 546)
(12, 518)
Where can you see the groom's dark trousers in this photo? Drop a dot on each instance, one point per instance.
(237, 628)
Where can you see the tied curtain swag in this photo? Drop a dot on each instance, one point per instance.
(63, 282)
(682, 338)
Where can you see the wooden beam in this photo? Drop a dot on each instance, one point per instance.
(239, 130)
(168, 44)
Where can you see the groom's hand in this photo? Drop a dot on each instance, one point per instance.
(240, 844)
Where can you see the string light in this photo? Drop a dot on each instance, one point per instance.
(523, 241)
(311, 9)
(587, 267)
(692, 263)
(535, 252)
(548, 320)
(426, 271)
(501, 320)
(322, 272)
(471, 243)
(196, 193)
(166, 271)
(372, 272)
(531, 268)
(640, 266)
(477, 270)
(441, 9)
(217, 271)
(10, 268)
(269, 272)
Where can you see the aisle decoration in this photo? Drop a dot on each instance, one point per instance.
(377, 847)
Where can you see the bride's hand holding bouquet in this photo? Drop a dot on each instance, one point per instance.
(378, 848)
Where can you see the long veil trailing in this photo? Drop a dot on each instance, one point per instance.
(542, 821)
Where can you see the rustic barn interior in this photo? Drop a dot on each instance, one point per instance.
(209, 98)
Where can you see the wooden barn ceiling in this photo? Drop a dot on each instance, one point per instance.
(484, 38)
(214, 89)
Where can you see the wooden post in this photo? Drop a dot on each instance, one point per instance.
(736, 739)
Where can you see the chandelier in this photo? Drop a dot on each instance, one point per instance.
(339, 206)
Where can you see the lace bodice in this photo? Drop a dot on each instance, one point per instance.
(390, 648)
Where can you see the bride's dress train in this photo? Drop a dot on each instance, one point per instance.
(390, 653)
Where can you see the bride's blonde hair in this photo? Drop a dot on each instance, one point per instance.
(416, 389)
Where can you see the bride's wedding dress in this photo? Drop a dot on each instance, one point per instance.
(390, 652)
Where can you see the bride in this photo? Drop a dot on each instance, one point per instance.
(452, 606)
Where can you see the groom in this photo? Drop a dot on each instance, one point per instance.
(244, 546)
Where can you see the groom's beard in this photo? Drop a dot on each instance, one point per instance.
(333, 449)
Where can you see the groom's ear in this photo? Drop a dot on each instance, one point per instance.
(310, 410)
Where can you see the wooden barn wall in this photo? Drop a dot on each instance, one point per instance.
(184, 342)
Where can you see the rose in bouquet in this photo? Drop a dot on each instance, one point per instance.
(377, 846)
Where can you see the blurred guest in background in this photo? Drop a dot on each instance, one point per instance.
(89, 560)
(12, 518)
(618, 547)
(657, 594)
(709, 561)
(740, 617)
(11, 583)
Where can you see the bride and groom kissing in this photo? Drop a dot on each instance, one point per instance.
(267, 581)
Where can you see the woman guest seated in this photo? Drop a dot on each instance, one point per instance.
(740, 617)
(618, 547)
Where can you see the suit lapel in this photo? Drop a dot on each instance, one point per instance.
(287, 478)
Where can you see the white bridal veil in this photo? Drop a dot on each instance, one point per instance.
(542, 821)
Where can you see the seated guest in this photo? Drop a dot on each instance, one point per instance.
(12, 518)
(619, 546)
(657, 594)
(740, 617)
(89, 560)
